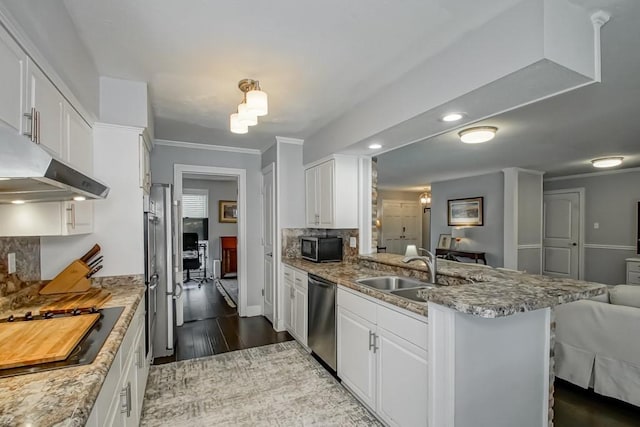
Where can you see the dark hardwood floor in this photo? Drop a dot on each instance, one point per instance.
(576, 407)
(212, 327)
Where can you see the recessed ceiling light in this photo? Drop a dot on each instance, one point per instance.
(452, 117)
(607, 162)
(79, 198)
(478, 134)
(375, 146)
(18, 202)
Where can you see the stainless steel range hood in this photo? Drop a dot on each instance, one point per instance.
(29, 173)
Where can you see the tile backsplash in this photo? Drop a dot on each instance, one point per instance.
(291, 241)
(27, 250)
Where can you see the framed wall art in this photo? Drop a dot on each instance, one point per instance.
(228, 211)
(465, 212)
(444, 241)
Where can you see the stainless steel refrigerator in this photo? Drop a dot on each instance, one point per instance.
(161, 207)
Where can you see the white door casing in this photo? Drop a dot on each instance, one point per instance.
(241, 175)
(562, 233)
(268, 238)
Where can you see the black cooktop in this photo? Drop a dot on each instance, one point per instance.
(84, 353)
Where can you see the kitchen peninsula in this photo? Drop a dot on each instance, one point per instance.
(490, 335)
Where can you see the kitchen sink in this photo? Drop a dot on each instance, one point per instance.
(390, 283)
(411, 294)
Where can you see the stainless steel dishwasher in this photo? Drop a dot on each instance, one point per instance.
(322, 320)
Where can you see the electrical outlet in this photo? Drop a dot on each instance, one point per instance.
(11, 263)
(353, 242)
(596, 225)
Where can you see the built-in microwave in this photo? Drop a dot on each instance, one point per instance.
(321, 249)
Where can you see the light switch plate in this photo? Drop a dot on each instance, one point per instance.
(596, 225)
(11, 262)
(352, 242)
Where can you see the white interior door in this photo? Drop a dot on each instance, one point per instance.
(268, 210)
(410, 226)
(561, 244)
(392, 226)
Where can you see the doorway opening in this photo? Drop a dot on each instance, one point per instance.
(211, 259)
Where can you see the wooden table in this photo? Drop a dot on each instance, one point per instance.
(466, 254)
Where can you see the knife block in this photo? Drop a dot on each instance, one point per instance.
(71, 279)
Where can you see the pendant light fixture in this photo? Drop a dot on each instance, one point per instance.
(425, 198)
(254, 104)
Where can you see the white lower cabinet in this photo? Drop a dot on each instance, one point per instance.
(120, 400)
(382, 358)
(356, 358)
(295, 302)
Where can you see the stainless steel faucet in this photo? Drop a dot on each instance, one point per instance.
(429, 261)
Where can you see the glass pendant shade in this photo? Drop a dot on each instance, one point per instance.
(257, 103)
(235, 126)
(245, 117)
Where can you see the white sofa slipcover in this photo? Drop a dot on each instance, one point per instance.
(598, 345)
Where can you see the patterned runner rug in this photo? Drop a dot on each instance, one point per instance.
(274, 385)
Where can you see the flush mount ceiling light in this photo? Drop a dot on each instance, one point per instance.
(478, 134)
(254, 104)
(452, 117)
(607, 162)
(375, 146)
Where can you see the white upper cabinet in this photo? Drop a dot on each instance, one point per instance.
(45, 105)
(77, 141)
(331, 199)
(12, 71)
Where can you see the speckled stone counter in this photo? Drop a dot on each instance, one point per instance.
(346, 274)
(65, 397)
(468, 288)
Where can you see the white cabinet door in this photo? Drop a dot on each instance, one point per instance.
(401, 381)
(311, 202)
(78, 146)
(12, 70)
(356, 358)
(325, 190)
(301, 304)
(287, 306)
(49, 103)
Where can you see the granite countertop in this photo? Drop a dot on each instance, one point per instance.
(65, 397)
(468, 288)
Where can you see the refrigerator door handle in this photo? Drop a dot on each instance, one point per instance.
(153, 283)
(179, 294)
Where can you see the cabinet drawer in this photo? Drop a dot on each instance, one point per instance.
(633, 266)
(357, 305)
(300, 279)
(633, 278)
(411, 330)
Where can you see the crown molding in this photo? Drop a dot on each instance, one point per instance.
(286, 140)
(137, 129)
(591, 174)
(208, 147)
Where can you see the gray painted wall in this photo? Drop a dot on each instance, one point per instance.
(269, 156)
(162, 160)
(218, 190)
(50, 28)
(487, 238)
(611, 201)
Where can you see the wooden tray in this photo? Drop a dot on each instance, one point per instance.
(92, 298)
(25, 343)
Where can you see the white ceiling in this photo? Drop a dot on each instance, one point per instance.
(558, 135)
(316, 60)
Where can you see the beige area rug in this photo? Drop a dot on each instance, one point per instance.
(274, 385)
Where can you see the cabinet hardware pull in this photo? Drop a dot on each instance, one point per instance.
(372, 344)
(32, 118)
(123, 400)
(37, 127)
(128, 399)
(375, 343)
(72, 216)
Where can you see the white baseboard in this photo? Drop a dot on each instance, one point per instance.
(253, 310)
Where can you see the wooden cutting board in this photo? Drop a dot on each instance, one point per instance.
(33, 342)
(93, 298)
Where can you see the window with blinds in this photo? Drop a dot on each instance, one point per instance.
(194, 204)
